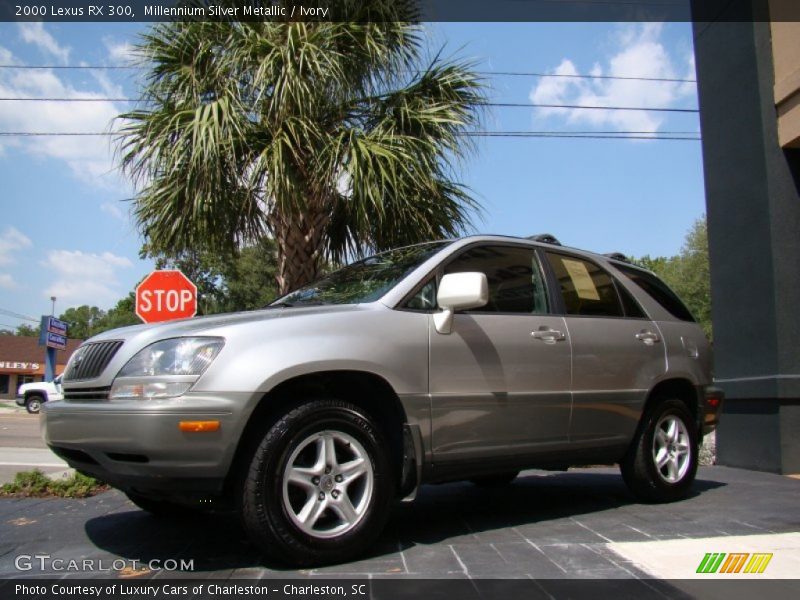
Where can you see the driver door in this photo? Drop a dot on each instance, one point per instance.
(500, 381)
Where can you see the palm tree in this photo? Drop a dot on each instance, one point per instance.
(334, 138)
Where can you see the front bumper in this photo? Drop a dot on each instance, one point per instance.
(20, 400)
(139, 445)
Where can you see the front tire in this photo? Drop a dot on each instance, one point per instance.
(33, 404)
(319, 485)
(661, 464)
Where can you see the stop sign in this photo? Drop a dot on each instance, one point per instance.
(164, 296)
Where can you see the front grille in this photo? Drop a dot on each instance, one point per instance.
(98, 393)
(90, 359)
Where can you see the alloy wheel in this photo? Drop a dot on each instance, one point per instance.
(671, 448)
(328, 484)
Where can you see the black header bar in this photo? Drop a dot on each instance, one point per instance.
(65, 11)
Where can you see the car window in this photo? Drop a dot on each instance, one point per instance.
(363, 281)
(425, 298)
(516, 282)
(659, 291)
(629, 303)
(586, 288)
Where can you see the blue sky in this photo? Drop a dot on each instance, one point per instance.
(66, 229)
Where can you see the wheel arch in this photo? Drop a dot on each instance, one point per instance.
(679, 388)
(369, 391)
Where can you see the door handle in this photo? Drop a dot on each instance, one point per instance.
(648, 337)
(547, 335)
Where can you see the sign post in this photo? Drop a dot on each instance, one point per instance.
(165, 296)
(52, 335)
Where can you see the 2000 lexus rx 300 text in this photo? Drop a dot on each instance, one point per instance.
(468, 359)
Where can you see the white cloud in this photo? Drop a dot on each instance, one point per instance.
(90, 158)
(34, 33)
(12, 240)
(85, 278)
(119, 53)
(113, 209)
(6, 57)
(7, 282)
(639, 53)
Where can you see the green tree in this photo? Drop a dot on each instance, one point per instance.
(249, 281)
(28, 330)
(203, 268)
(82, 321)
(122, 315)
(242, 280)
(688, 273)
(333, 138)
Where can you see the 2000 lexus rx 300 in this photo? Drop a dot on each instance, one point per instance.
(468, 359)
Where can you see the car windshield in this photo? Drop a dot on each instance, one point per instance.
(362, 281)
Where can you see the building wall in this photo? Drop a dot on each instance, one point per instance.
(786, 60)
(752, 181)
(23, 360)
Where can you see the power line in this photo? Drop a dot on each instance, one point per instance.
(496, 104)
(580, 106)
(500, 73)
(49, 133)
(544, 132)
(623, 135)
(654, 136)
(68, 100)
(10, 313)
(578, 76)
(68, 67)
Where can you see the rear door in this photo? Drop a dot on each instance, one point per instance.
(617, 352)
(499, 382)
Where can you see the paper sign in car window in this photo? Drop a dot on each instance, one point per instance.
(584, 286)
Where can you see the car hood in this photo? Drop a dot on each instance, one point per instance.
(207, 324)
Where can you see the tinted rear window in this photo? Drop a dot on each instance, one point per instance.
(586, 288)
(658, 291)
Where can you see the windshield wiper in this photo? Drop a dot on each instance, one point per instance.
(280, 305)
(296, 304)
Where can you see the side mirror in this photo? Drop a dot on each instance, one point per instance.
(459, 291)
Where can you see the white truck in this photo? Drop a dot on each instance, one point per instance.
(33, 395)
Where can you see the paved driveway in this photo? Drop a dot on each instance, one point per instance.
(543, 526)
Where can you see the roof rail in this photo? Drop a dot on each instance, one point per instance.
(617, 256)
(545, 238)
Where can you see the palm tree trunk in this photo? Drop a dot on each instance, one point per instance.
(299, 239)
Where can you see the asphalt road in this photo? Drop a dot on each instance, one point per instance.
(21, 445)
(18, 429)
(546, 526)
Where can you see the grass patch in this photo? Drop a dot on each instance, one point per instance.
(35, 484)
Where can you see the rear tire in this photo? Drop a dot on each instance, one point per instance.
(33, 404)
(661, 464)
(319, 486)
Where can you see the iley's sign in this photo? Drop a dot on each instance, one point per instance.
(19, 366)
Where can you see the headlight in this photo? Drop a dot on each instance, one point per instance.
(165, 369)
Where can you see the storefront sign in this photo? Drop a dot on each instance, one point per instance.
(53, 333)
(19, 366)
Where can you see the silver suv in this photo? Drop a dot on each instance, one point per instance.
(457, 360)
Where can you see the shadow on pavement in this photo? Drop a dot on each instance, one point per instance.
(447, 512)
